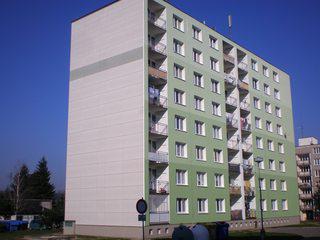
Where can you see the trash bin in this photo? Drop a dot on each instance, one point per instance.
(222, 230)
(200, 232)
(182, 233)
(212, 229)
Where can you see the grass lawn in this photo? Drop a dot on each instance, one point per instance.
(306, 224)
(21, 234)
(255, 235)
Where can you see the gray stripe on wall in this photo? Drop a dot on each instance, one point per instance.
(107, 63)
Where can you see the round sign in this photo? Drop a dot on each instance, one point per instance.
(141, 206)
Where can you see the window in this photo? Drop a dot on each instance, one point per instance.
(214, 42)
(274, 205)
(197, 56)
(178, 23)
(276, 94)
(182, 205)
(258, 122)
(254, 65)
(199, 128)
(178, 71)
(256, 103)
(202, 205)
(282, 166)
(198, 103)
(214, 64)
(281, 148)
(279, 129)
(316, 150)
(196, 33)
(181, 149)
(217, 156)
(264, 204)
(197, 79)
(201, 179)
(269, 126)
(259, 142)
(261, 164)
(270, 145)
(262, 183)
(272, 164)
(179, 97)
(278, 111)
(219, 180)
(267, 107)
(317, 162)
(265, 71)
(181, 177)
(273, 184)
(283, 185)
(216, 109)
(266, 89)
(180, 123)
(178, 47)
(220, 205)
(215, 86)
(275, 76)
(200, 153)
(217, 132)
(284, 204)
(316, 173)
(255, 84)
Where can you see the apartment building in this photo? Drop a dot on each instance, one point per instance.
(163, 107)
(308, 169)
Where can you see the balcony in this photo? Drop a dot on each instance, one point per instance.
(158, 157)
(303, 163)
(233, 145)
(306, 207)
(304, 185)
(248, 169)
(243, 85)
(236, 215)
(229, 58)
(232, 101)
(304, 174)
(243, 66)
(158, 102)
(158, 187)
(244, 105)
(159, 209)
(232, 122)
(229, 79)
(245, 126)
(247, 147)
(249, 192)
(251, 214)
(234, 167)
(158, 129)
(305, 196)
(158, 48)
(157, 21)
(157, 76)
(235, 190)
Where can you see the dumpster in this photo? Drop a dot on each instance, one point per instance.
(182, 233)
(212, 229)
(200, 232)
(222, 231)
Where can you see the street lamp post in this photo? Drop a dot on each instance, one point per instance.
(262, 231)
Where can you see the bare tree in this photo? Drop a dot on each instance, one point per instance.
(18, 187)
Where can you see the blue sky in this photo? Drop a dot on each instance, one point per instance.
(34, 64)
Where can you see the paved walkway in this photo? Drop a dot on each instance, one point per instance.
(306, 232)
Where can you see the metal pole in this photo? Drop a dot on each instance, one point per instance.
(143, 230)
(262, 232)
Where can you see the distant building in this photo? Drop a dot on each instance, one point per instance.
(163, 107)
(308, 169)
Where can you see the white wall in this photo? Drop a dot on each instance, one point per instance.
(105, 126)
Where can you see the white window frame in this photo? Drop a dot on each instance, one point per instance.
(255, 84)
(270, 145)
(198, 79)
(277, 94)
(178, 47)
(266, 89)
(259, 142)
(278, 112)
(202, 203)
(199, 103)
(180, 123)
(282, 166)
(214, 64)
(179, 97)
(267, 107)
(254, 65)
(182, 206)
(200, 153)
(275, 76)
(262, 183)
(273, 184)
(199, 128)
(256, 103)
(281, 147)
(216, 109)
(220, 205)
(201, 179)
(214, 43)
(178, 71)
(197, 56)
(181, 149)
(284, 204)
(265, 71)
(216, 132)
(178, 23)
(272, 164)
(274, 205)
(263, 202)
(181, 177)
(283, 184)
(215, 86)
(197, 33)
(219, 180)
(258, 122)
(217, 155)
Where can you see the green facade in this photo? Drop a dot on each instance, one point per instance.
(192, 191)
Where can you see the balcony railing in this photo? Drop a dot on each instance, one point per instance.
(243, 84)
(246, 126)
(234, 190)
(158, 47)
(159, 209)
(159, 22)
(243, 66)
(304, 185)
(233, 144)
(249, 191)
(232, 121)
(303, 163)
(305, 196)
(250, 213)
(304, 174)
(158, 100)
(230, 79)
(158, 157)
(159, 186)
(236, 215)
(248, 169)
(229, 58)
(158, 73)
(158, 128)
(247, 147)
(232, 101)
(244, 105)
(234, 167)
(306, 207)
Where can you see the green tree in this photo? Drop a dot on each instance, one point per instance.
(40, 186)
(6, 208)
